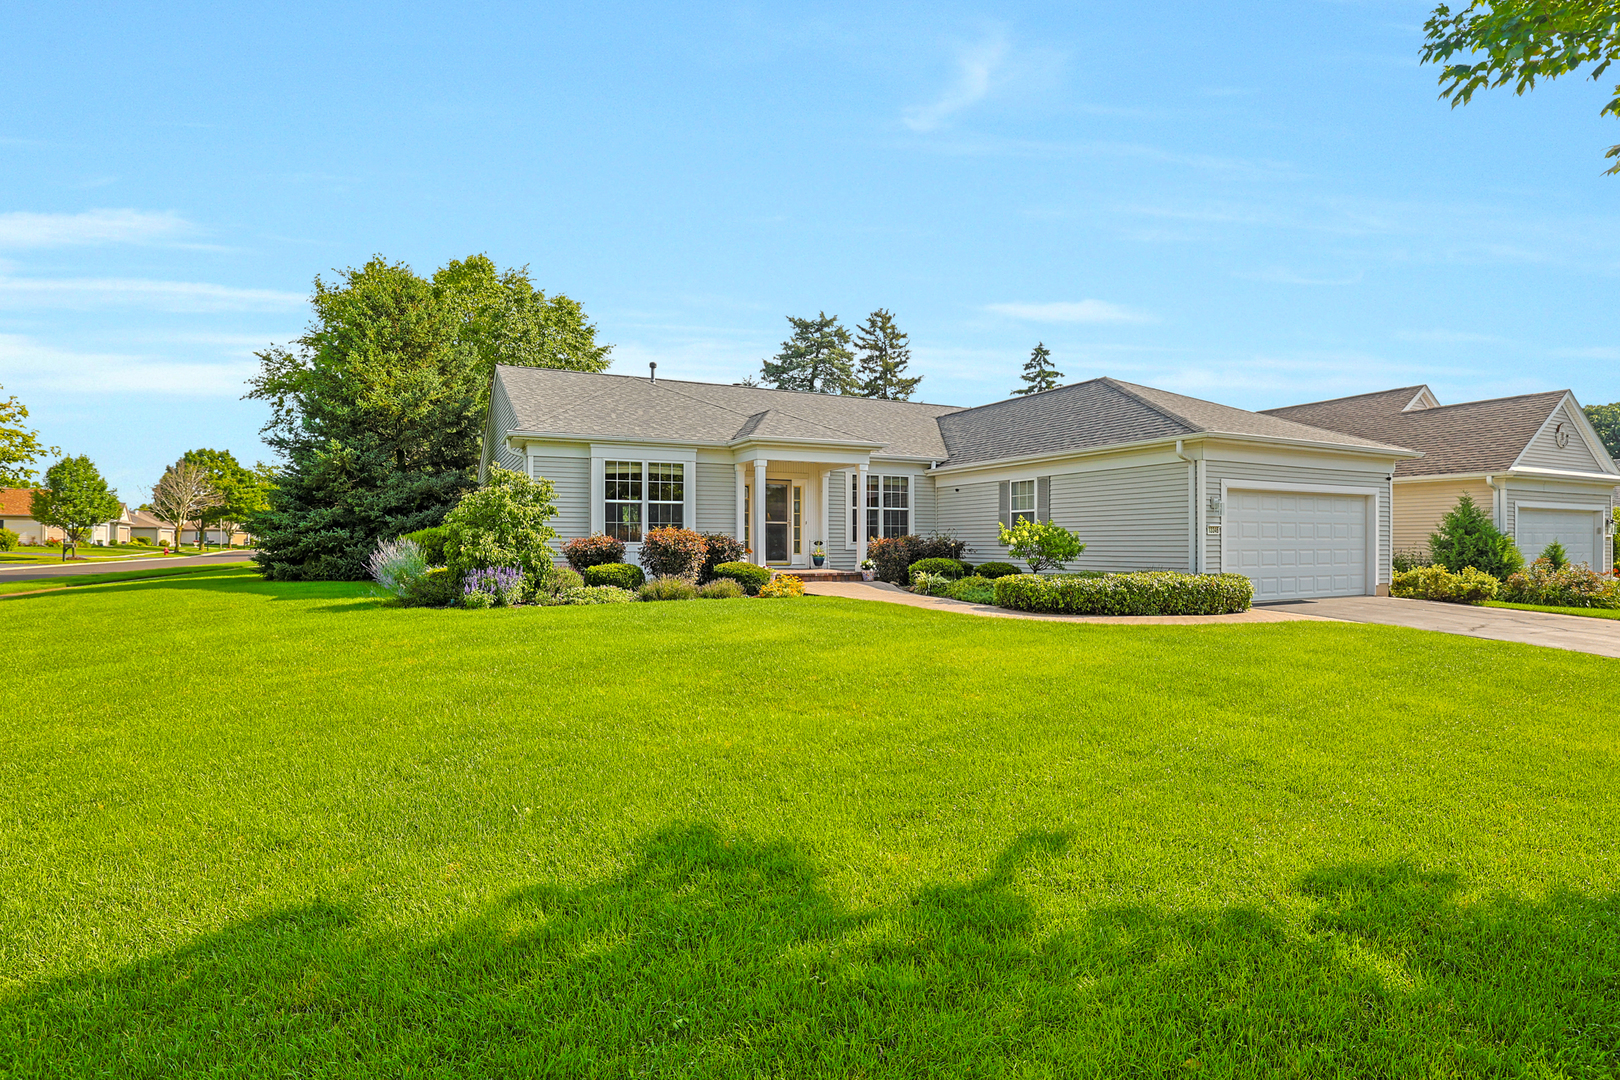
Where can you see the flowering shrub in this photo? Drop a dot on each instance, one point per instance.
(672, 552)
(501, 585)
(1155, 592)
(1572, 586)
(1471, 586)
(719, 548)
(431, 541)
(396, 564)
(1044, 545)
(593, 550)
(892, 556)
(749, 576)
(782, 585)
(503, 523)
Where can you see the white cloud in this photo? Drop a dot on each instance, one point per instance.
(21, 229)
(186, 296)
(976, 69)
(1074, 311)
(28, 364)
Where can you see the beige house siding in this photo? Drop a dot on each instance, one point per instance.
(571, 477)
(1421, 504)
(1545, 453)
(32, 532)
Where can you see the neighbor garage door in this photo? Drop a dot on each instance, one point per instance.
(1575, 529)
(1294, 546)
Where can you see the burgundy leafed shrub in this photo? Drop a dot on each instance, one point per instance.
(672, 552)
(719, 548)
(594, 550)
(892, 556)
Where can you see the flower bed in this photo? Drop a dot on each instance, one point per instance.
(1156, 592)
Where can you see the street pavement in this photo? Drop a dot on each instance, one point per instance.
(36, 571)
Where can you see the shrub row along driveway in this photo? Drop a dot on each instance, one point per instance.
(1598, 636)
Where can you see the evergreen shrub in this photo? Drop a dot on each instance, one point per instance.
(619, 575)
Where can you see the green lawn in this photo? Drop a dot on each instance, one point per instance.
(284, 830)
(1590, 613)
(75, 581)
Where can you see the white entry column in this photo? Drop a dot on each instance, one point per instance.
(860, 517)
(742, 507)
(825, 531)
(757, 542)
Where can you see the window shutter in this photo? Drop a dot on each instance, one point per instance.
(1006, 504)
(1043, 498)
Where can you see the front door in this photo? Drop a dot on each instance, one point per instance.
(784, 522)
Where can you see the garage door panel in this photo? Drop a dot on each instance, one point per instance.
(1575, 529)
(1296, 546)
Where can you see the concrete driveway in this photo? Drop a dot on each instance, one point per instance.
(1574, 632)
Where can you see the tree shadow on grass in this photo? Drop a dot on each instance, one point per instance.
(718, 955)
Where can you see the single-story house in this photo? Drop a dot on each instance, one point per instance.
(1147, 478)
(144, 525)
(1534, 462)
(16, 514)
(116, 531)
(215, 536)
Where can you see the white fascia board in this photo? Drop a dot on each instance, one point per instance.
(1609, 479)
(1193, 444)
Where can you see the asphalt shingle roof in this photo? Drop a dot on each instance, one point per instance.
(1102, 412)
(16, 502)
(1471, 437)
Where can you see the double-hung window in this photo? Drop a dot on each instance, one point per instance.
(621, 518)
(642, 493)
(885, 510)
(666, 495)
(1021, 504)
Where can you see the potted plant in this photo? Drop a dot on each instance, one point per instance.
(818, 557)
(868, 569)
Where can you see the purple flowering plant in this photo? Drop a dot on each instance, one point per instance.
(501, 585)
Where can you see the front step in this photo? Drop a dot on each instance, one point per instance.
(819, 575)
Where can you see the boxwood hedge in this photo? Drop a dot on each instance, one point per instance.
(1156, 592)
(617, 574)
(749, 576)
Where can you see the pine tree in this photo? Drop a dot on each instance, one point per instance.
(1039, 374)
(815, 358)
(882, 353)
(1468, 537)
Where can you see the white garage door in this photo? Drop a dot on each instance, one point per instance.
(1575, 529)
(1294, 546)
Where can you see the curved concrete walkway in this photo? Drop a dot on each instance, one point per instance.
(1576, 633)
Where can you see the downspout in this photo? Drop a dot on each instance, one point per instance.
(1498, 503)
(1196, 510)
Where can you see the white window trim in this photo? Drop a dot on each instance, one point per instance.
(1034, 511)
(601, 454)
(855, 506)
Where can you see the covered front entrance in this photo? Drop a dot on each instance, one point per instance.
(787, 505)
(784, 523)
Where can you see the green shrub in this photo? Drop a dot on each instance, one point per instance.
(926, 584)
(721, 589)
(478, 599)
(993, 570)
(1044, 545)
(437, 588)
(597, 549)
(892, 556)
(668, 587)
(10, 539)
(719, 548)
(1154, 592)
(672, 552)
(973, 589)
(561, 579)
(948, 568)
(749, 576)
(1555, 554)
(617, 574)
(596, 594)
(502, 523)
(1410, 559)
(431, 543)
(782, 585)
(1467, 537)
(1470, 586)
(1570, 586)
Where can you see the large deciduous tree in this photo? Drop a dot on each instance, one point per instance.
(74, 499)
(184, 495)
(882, 352)
(378, 409)
(243, 493)
(1606, 419)
(1520, 41)
(815, 358)
(19, 446)
(1039, 374)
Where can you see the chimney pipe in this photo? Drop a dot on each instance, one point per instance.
(652, 372)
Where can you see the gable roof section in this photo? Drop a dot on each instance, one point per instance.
(1471, 437)
(16, 502)
(588, 405)
(1105, 412)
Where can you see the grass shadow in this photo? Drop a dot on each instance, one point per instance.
(719, 955)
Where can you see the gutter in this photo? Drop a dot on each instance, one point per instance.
(1195, 512)
(1362, 450)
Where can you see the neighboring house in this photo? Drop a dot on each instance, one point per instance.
(116, 531)
(16, 514)
(214, 536)
(144, 525)
(1533, 462)
(1148, 479)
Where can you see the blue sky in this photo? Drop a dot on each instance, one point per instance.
(1261, 206)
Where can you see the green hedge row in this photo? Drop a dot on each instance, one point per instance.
(1154, 592)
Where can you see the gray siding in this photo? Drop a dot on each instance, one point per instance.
(1240, 472)
(924, 506)
(1545, 453)
(571, 476)
(1551, 492)
(716, 498)
(1129, 519)
(968, 512)
(839, 555)
(504, 420)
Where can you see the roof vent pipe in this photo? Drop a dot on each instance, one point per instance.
(652, 372)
